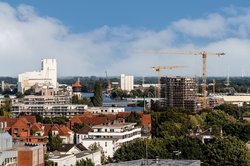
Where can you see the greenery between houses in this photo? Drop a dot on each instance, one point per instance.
(171, 132)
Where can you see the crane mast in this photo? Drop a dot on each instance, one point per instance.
(204, 65)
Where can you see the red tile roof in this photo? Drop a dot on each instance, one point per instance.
(31, 119)
(76, 85)
(36, 127)
(146, 120)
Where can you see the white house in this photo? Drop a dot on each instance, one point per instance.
(80, 152)
(110, 137)
(62, 159)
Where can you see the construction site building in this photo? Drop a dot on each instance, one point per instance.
(180, 92)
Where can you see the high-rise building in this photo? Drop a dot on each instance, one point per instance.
(180, 92)
(127, 82)
(47, 76)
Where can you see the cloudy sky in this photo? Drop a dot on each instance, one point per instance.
(91, 37)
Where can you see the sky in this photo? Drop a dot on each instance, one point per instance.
(90, 37)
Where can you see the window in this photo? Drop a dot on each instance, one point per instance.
(106, 130)
(105, 144)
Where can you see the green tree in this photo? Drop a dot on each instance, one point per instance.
(47, 162)
(218, 118)
(74, 99)
(226, 151)
(134, 118)
(56, 142)
(19, 95)
(86, 162)
(230, 109)
(97, 99)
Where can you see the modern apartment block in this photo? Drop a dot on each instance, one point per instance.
(110, 137)
(47, 76)
(45, 110)
(180, 92)
(127, 82)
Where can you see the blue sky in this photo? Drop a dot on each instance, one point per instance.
(89, 37)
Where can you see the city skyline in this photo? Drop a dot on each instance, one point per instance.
(89, 38)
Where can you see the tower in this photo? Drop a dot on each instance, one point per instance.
(77, 89)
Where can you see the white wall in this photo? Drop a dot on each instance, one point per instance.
(67, 160)
(127, 82)
(108, 145)
(47, 75)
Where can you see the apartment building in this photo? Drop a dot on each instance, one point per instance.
(110, 137)
(127, 82)
(180, 92)
(53, 110)
(105, 110)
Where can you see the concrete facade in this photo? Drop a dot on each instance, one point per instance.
(47, 76)
(110, 137)
(127, 82)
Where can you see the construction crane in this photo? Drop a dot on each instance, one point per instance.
(204, 65)
(158, 70)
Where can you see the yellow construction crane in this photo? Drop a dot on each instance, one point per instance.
(204, 65)
(158, 70)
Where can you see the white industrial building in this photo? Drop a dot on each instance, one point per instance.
(47, 76)
(127, 82)
(110, 137)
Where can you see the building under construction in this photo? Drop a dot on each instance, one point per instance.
(180, 92)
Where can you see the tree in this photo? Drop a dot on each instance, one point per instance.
(76, 127)
(74, 99)
(230, 109)
(97, 99)
(56, 142)
(218, 118)
(19, 95)
(226, 151)
(134, 118)
(86, 162)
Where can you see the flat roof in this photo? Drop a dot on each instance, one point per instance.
(118, 125)
(153, 162)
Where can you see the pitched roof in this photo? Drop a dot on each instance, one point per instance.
(47, 128)
(81, 147)
(76, 85)
(36, 127)
(123, 114)
(87, 114)
(21, 123)
(64, 130)
(85, 129)
(67, 147)
(31, 119)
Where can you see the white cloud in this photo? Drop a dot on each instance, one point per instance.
(214, 26)
(26, 38)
